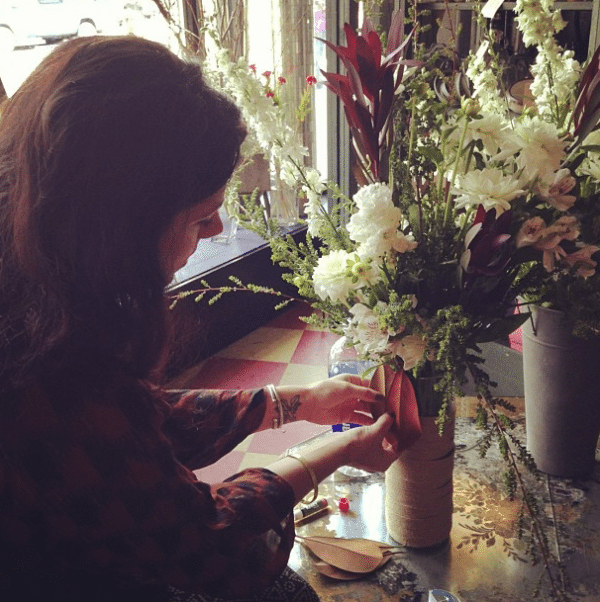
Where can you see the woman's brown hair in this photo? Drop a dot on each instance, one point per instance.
(100, 148)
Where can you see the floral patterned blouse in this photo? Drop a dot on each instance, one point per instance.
(96, 487)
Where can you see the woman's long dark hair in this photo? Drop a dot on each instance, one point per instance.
(100, 148)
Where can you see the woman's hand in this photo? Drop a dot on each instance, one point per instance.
(369, 447)
(364, 447)
(343, 398)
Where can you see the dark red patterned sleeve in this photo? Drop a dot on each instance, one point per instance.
(204, 425)
(90, 482)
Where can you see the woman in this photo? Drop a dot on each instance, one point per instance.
(113, 159)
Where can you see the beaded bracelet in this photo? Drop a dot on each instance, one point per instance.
(313, 478)
(277, 421)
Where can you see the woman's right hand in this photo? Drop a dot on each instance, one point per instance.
(364, 447)
(368, 448)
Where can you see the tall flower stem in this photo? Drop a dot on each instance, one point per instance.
(448, 201)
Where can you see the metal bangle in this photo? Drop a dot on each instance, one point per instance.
(313, 478)
(277, 421)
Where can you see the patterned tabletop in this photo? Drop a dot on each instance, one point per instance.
(484, 561)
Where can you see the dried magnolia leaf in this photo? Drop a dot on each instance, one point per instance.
(336, 573)
(354, 555)
(332, 571)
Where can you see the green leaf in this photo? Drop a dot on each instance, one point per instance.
(500, 329)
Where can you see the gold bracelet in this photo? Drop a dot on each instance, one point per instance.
(277, 422)
(313, 477)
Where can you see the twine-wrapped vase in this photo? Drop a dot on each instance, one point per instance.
(418, 485)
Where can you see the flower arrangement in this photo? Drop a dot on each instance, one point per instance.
(462, 207)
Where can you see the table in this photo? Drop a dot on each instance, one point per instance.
(484, 561)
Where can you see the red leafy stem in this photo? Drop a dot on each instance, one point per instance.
(587, 107)
(367, 91)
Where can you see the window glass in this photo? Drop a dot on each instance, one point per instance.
(30, 29)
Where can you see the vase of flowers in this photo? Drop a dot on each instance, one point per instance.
(273, 153)
(462, 207)
(562, 394)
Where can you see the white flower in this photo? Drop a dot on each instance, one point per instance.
(542, 149)
(365, 331)
(339, 272)
(375, 225)
(411, 349)
(313, 188)
(489, 187)
(332, 278)
(485, 83)
(493, 131)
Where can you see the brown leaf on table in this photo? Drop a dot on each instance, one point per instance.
(354, 555)
(332, 571)
(336, 573)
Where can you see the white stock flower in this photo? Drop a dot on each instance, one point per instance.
(375, 224)
(332, 278)
(313, 187)
(489, 187)
(485, 82)
(542, 148)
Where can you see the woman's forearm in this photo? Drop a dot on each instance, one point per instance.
(344, 398)
(323, 460)
(364, 447)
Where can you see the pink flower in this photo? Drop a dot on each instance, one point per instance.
(556, 194)
(411, 349)
(270, 94)
(564, 228)
(267, 74)
(582, 260)
(281, 80)
(530, 232)
(252, 68)
(311, 80)
(551, 255)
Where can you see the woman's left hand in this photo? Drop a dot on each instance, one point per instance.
(342, 398)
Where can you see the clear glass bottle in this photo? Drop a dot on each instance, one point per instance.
(343, 359)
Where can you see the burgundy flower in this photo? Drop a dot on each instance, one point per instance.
(487, 244)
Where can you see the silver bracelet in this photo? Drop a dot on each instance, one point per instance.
(277, 421)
